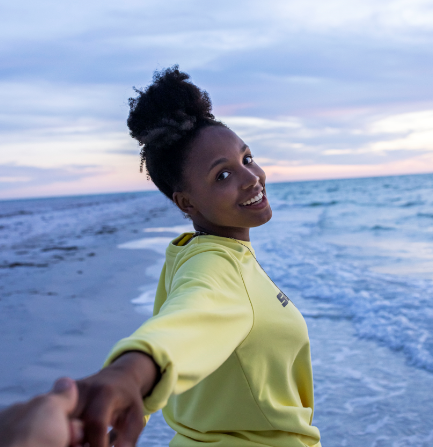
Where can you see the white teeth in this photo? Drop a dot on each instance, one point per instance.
(254, 199)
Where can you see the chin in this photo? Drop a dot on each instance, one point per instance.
(264, 218)
(269, 215)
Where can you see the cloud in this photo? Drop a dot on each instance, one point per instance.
(311, 141)
(39, 104)
(307, 83)
(48, 19)
(109, 42)
(13, 175)
(407, 131)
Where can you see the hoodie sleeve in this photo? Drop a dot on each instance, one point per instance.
(206, 316)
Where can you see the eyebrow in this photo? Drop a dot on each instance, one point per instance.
(223, 159)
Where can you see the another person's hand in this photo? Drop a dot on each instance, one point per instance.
(114, 398)
(43, 421)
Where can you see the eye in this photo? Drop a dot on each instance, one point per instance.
(223, 175)
(248, 159)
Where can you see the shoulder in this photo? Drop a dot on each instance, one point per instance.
(209, 272)
(204, 256)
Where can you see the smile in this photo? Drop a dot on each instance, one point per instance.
(257, 199)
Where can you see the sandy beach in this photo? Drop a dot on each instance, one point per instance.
(73, 287)
(62, 318)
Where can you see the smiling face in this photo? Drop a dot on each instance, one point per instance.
(224, 189)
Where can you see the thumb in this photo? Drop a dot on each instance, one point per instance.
(66, 392)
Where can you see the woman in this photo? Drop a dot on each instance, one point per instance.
(226, 354)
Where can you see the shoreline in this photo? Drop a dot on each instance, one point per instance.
(63, 318)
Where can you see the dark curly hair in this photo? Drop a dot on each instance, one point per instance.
(165, 118)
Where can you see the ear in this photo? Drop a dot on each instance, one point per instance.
(183, 202)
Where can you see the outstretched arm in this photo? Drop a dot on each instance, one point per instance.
(114, 397)
(204, 318)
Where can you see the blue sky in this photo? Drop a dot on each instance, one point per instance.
(317, 89)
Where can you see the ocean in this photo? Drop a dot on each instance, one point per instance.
(364, 248)
(354, 255)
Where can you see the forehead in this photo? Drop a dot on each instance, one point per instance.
(214, 142)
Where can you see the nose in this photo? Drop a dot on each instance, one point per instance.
(250, 178)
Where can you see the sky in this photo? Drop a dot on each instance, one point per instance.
(318, 90)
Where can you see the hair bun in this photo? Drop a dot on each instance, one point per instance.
(164, 118)
(170, 104)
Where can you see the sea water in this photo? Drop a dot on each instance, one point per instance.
(355, 256)
(362, 247)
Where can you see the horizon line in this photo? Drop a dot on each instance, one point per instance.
(155, 189)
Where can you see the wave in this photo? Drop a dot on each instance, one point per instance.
(61, 248)
(12, 265)
(16, 213)
(412, 203)
(428, 215)
(316, 204)
(394, 311)
(382, 228)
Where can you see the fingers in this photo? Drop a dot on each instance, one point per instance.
(66, 393)
(82, 398)
(76, 432)
(97, 417)
(111, 397)
(93, 408)
(128, 429)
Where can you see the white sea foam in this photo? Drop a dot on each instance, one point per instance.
(158, 244)
(178, 229)
(42, 231)
(154, 271)
(144, 302)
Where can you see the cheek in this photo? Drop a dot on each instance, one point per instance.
(221, 198)
(218, 203)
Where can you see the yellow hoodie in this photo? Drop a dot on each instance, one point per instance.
(234, 352)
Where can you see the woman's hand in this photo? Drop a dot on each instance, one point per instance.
(43, 421)
(113, 397)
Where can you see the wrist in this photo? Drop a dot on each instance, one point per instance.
(141, 369)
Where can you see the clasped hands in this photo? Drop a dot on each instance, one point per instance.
(79, 414)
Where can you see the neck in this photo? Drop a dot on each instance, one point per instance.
(242, 234)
